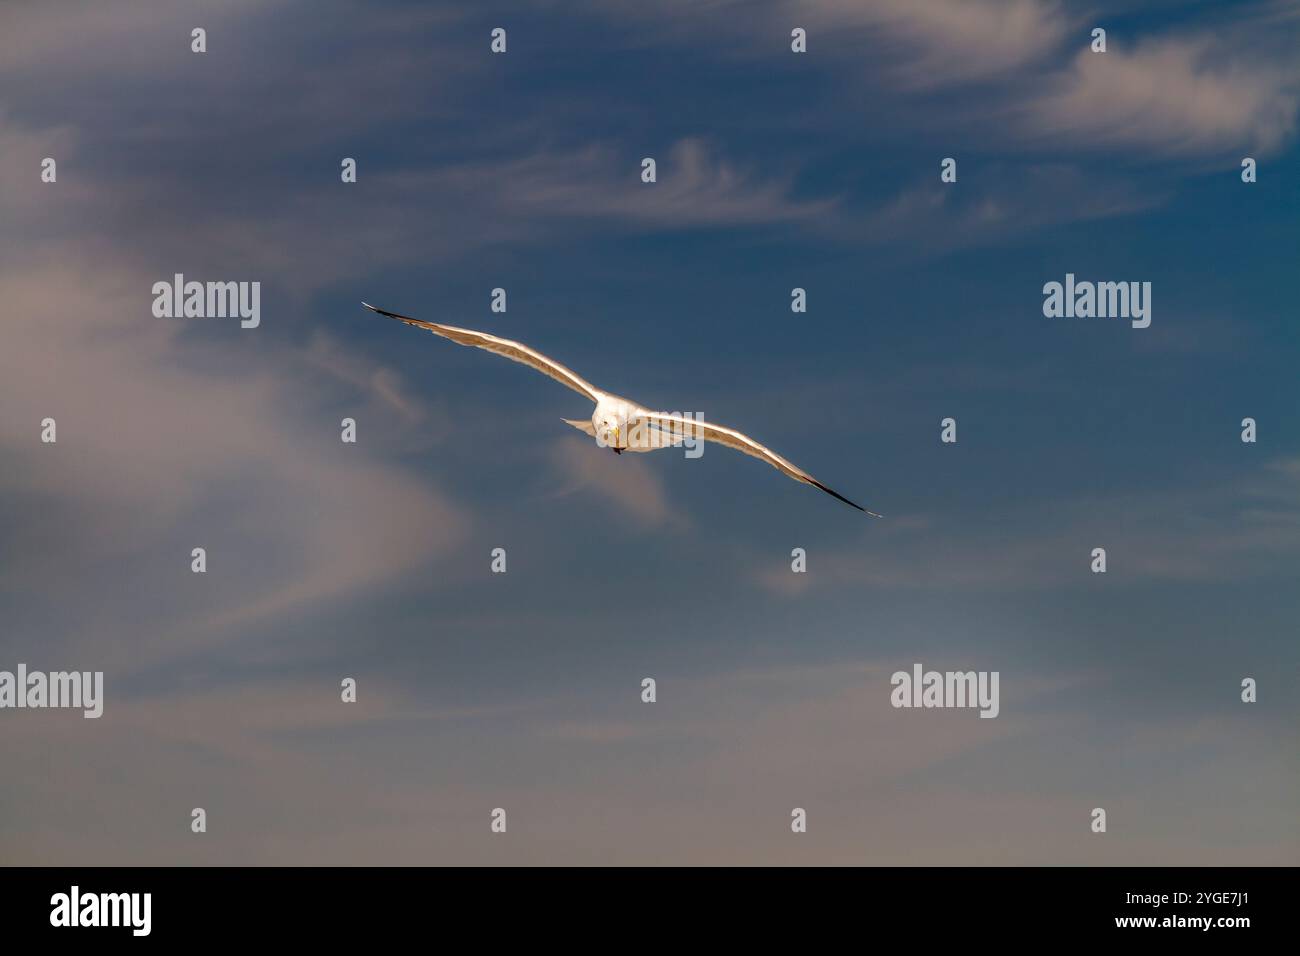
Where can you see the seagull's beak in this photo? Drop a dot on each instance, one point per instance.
(615, 436)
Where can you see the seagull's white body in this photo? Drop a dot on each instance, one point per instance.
(619, 423)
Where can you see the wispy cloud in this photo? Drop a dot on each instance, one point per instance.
(696, 188)
(987, 210)
(1191, 92)
(1170, 96)
(175, 435)
(153, 460)
(937, 43)
(627, 485)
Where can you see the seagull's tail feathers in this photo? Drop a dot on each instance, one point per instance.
(582, 425)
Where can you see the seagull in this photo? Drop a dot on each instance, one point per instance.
(619, 423)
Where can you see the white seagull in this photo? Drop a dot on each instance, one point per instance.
(618, 423)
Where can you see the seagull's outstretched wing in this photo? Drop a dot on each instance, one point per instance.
(515, 351)
(693, 428)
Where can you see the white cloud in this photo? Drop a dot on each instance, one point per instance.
(626, 482)
(696, 188)
(938, 217)
(175, 434)
(162, 437)
(1172, 97)
(1226, 82)
(938, 42)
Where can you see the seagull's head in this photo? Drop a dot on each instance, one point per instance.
(609, 431)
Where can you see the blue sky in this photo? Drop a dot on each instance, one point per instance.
(521, 690)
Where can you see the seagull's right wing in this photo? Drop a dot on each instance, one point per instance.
(681, 427)
(515, 351)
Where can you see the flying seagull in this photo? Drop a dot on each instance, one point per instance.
(618, 423)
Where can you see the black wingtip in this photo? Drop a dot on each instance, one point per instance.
(836, 494)
(391, 315)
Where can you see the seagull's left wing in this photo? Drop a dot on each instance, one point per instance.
(507, 348)
(693, 428)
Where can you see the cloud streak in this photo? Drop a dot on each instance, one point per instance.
(1169, 97)
(628, 485)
